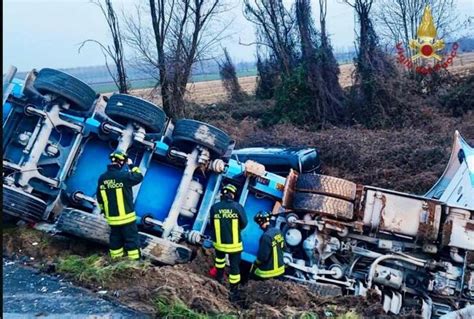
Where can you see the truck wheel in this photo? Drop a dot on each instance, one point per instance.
(84, 225)
(9, 219)
(325, 289)
(163, 251)
(124, 108)
(188, 133)
(155, 137)
(79, 94)
(317, 203)
(326, 185)
(22, 205)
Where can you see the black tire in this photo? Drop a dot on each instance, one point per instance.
(124, 108)
(155, 137)
(326, 185)
(163, 251)
(79, 94)
(325, 290)
(9, 219)
(84, 225)
(321, 204)
(188, 133)
(22, 205)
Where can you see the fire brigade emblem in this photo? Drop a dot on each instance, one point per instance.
(426, 45)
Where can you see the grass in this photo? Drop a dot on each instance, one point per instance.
(111, 87)
(96, 268)
(177, 310)
(308, 315)
(349, 315)
(149, 83)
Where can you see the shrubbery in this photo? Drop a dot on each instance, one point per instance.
(293, 99)
(459, 99)
(268, 78)
(229, 79)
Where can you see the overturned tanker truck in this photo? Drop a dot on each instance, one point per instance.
(416, 252)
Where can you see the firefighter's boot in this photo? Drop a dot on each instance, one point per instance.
(220, 276)
(234, 296)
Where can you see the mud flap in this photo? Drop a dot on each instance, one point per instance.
(163, 251)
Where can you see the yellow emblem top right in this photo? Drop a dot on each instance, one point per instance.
(426, 45)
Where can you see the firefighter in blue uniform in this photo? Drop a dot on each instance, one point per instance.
(269, 262)
(115, 197)
(228, 219)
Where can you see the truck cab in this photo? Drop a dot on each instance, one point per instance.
(281, 160)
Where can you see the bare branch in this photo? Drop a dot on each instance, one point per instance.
(248, 44)
(170, 39)
(115, 52)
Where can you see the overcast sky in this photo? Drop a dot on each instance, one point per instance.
(47, 33)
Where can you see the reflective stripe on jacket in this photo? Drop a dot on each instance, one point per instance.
(270, 254)
(228, 219)
(115, 194)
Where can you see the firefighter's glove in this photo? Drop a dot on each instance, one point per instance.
(129, 162)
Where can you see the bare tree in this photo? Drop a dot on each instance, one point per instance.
(373, 98)
(114, 51)
(180, 35)
(275, 30)
(398, 20)
(320, 66)
(268, 76)
(329, 66)
(229, 78)
(308, 91)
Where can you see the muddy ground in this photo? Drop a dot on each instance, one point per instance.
(187, 284)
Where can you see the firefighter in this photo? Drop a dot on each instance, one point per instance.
(115, 197)
(269, 262)
(228, 219)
